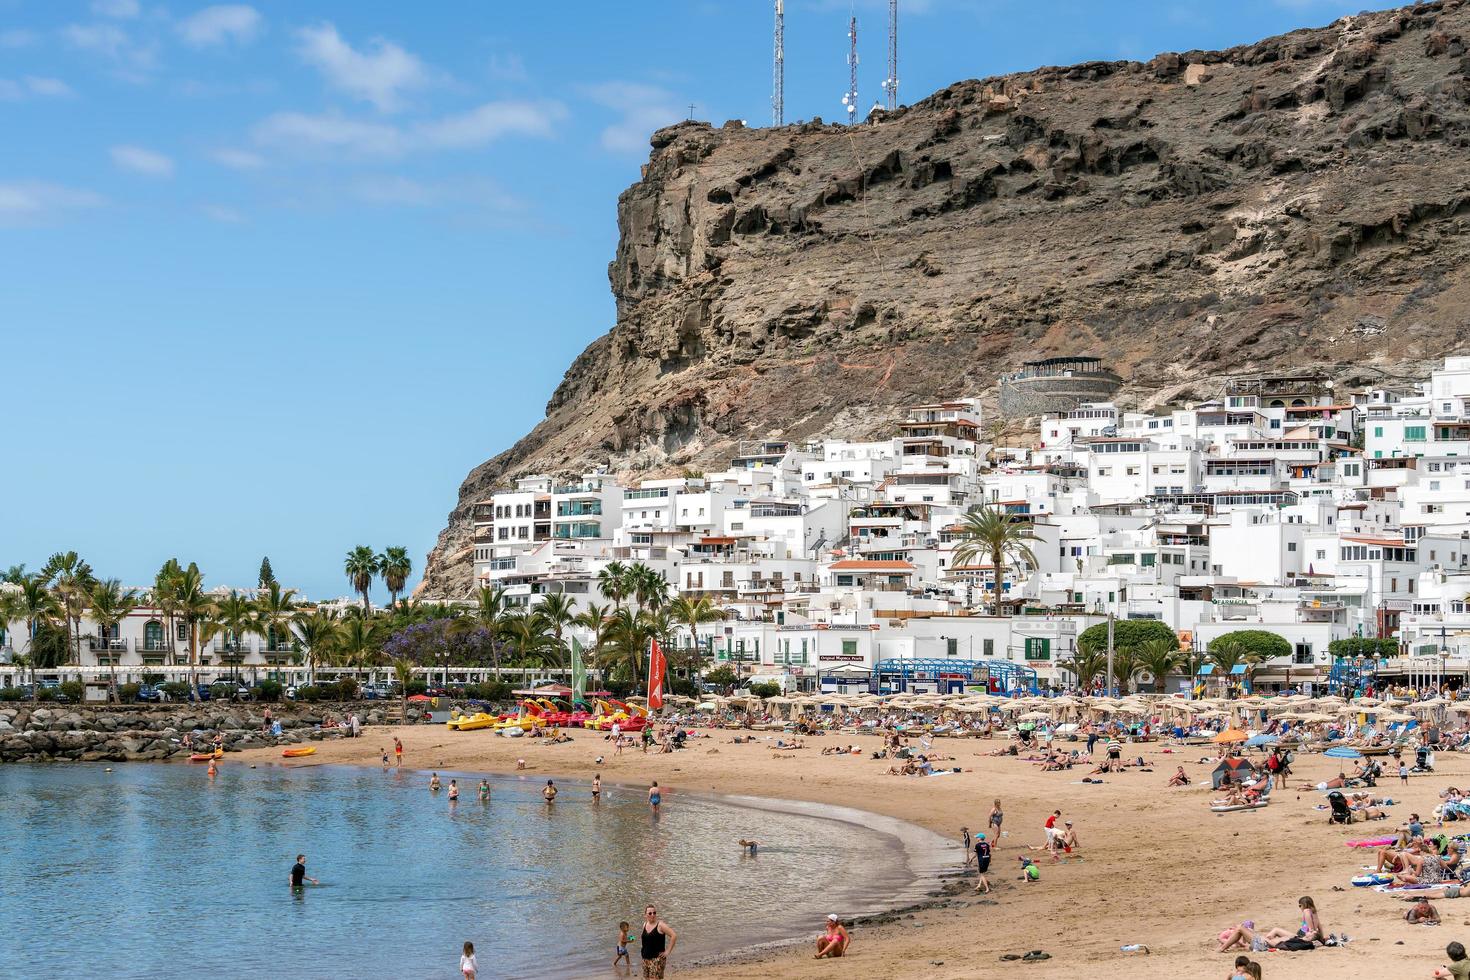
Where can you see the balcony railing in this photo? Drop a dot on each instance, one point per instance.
(645, 494)
(114, 645)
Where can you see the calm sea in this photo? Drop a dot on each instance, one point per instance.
(156, 871)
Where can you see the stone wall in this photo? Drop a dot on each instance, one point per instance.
(1029, 397)
(145, 733)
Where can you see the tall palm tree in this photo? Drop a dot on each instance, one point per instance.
(1226, 654)
(395, 566)
(14, 575)
(165, 597)
(403, 673)
(193, 607)
(318, 632)
(70, 579)
(360, 641)
(1125, 667)
(490, 612)
(110, 604)
(627, 634)
(236, 617)
(690, 613)
(276, 609)
(612, 581)
(361, 567)
(529, 634)
(1159, 658)
(988, 532)
(648, 588)
(559, 611)
(1087, 663)
(9, 611)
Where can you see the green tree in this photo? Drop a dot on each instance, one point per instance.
(490, 612)
(1125, 667)
(110, 604)
(612, 581)
(165, 597)
(317, 629)
(193, 607)
(627, 636)
(267, 576)
(403, 673)
(1087, 663)
(276, 609)
(71, 580)
(235, 618)
(988, 532)
(691, 614)
(529, 635)
(361, 567)
(1128, 633)
(1159, 658)
(395, 567)
(360, 641)
(559, 611)
(1226, 654)
(14, 575)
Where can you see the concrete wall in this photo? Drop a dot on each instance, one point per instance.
(1024, 397)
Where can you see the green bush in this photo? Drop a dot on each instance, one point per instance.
(47, 694)
(1262, 643)
(176, 690)
(767, 690)
(1364, 646)
(72, 689)
(684, 686)
(343, 690)
(495, 691)
(308, 692)
(269, 690)
(152, 677)
(722, 677)
(128, 693)
(417, 687)
(11, 694)
(1126, 633)
(618, 689)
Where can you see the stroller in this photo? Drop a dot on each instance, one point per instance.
(1423, 760)
(1341, 813)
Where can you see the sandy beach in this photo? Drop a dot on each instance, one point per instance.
(1155, 867)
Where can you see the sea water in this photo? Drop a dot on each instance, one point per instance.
(158, 871)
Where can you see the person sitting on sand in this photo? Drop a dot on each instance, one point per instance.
(1241, 936)
(834, 941)
(1458, 967)
(1422, 914)
(1180, 777)
(1309, 931)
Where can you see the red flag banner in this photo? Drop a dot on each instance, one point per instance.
(656, 668)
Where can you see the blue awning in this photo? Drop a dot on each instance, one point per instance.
(1206, 669)
(1238, 669)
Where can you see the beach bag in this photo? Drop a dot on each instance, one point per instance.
(1295, 945)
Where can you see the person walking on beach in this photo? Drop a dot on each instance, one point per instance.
(549, 793)
(982, 862)
(625, 936)
(298, 873)
(484, 791)
(468, 968)
(654, 796)
(657, 942)
(397, 752)
(996, 816)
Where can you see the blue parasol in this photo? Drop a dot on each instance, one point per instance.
(1258, 740)
(1343, 752)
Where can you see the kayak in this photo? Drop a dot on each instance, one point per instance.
(204, 756)
(297, 753)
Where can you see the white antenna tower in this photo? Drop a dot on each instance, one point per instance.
(778, 68)
(890, 84)
(850, 100)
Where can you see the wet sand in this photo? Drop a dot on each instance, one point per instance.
(1156, 866)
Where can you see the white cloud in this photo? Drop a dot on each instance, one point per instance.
(380, 73)
(221, 24)
(296, 131)
(223, 214)
(134, 58)
(237, 159)
(644, 108)
(18, 39)
(120, 9)
(138, 160)
(29, 201)
(31, 85)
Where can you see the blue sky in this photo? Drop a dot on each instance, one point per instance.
(275, 276)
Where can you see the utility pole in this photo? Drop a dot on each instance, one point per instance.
(778, 68)
(1110, 654)
(890, 84)
(850, 99)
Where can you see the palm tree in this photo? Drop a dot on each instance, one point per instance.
(989, 532)
(690, 613)
(395, 566)
(361, 567)
(648, 588)
(1226, 654)
(193, 607)
(236, 617)
(275, 609)
(14, 575)
(403, 673)
(612, 582)
(490, 612)
(318, 632)
(1087, 663)
(559, 611)
(1125, 666)
(529, 634)
(1159, 658)
(627, 635)
(360, 640)
(110, 605)
(70, 579)
(165, 597)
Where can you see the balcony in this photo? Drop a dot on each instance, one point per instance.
(231, 651)
(570, 488)
(584, 508)
(108, 651)
(660, 492)
(153, 651)
(279, 655)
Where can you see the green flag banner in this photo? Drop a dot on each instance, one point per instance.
(579, 672)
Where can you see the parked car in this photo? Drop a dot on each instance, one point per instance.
(243, 693)
(56, 693)
(204, 692)
(369, 693)
(149, 693)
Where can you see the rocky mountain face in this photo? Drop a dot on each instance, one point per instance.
(1302, 202)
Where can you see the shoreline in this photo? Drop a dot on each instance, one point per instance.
(1155, 867)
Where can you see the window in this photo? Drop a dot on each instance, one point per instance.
(1291, 546)
(1321, 554)
(181, 631)
(1147, 559)
(1413, 433)
(849, 648)
(1378, 432)
(1302, 653)
(1131, 471)
(988, 645)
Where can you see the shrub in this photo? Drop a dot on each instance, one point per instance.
(72, 689)
(495, 691)
(128, 693)
(176, 690)
(1126, 633)
(308, 692)
(268, 690)
(221, 691)
(417, 687)
(722, 677)
(767, 690)
(47, 694)
(618, 689)
(11, 694)
(343, 690)
(1262, 643)
(684, 686)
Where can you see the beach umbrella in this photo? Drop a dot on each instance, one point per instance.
(1230, 735)
(1395, 716)
(706, 706)
(1459, 706)
(1343, 752)
(1034, 716)
(1255, 741)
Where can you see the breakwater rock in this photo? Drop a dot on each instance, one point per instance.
(137, 733)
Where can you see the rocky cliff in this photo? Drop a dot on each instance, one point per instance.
(1302, 202)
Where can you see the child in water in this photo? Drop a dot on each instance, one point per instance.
(453, 790)
(549, 792)
(385, 760)
(484, 791)
(624, 937)
(467, 965)
(596, 788)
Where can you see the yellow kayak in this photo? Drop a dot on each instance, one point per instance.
(468, 723)
(298, 753)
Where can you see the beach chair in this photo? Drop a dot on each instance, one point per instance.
(1341, 812)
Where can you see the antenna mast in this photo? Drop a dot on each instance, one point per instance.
(850, 99)
(778, 68)
(890, 84)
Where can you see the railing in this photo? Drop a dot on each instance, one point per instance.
(156, 646)
(645, 494)
(578, 488)
(567, 508)
(114, 645)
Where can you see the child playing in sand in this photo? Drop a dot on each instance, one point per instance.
(1029, 871)
(624, 937)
